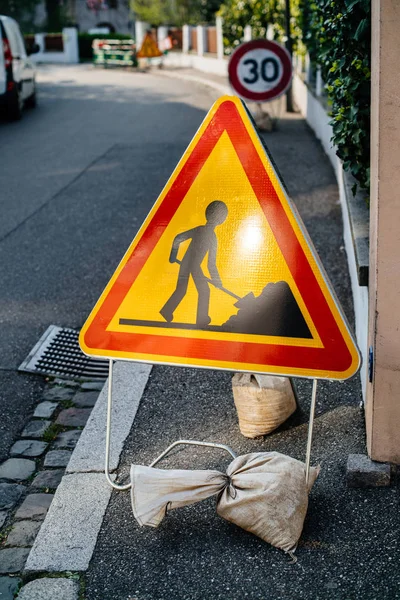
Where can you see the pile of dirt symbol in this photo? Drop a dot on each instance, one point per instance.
(274, 312)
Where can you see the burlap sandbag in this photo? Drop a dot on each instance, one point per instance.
(263, 402)
(264, 493)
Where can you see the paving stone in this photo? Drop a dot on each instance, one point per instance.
(67, 439)
(35, 429)
(17, 469)
(85, 398)
(12, 560)
(362, 472)
(58, 393)
(45, 409)
(10, 493)
(57, 458)
(92, 386)
(49, 588)
(28, 448)
(48, 479)
(3, 517)
(73, 417)
(8, 587)
(23, 533)
(35, 506)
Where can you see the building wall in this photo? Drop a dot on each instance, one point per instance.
(383, 406)
(120, 18)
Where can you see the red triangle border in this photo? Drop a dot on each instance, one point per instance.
(334, 357)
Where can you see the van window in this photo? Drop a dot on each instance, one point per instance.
(14, 38)
(20, 41)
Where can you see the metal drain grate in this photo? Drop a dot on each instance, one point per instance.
(58, 353)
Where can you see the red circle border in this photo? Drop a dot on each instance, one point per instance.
(275, 92)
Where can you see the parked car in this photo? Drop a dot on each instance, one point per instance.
(17, 72)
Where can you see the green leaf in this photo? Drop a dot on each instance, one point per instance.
(361, 29)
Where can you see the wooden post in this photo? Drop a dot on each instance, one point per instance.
(383, 392)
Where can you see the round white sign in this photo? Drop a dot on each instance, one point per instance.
(260, 70)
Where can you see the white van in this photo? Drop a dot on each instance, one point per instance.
(17, 73)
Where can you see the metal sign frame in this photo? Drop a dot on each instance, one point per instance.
(124, 487)
(337, 344)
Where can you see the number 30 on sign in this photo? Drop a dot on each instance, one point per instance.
(260, 70)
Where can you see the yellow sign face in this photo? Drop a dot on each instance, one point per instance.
(221, 273)
(149, 48)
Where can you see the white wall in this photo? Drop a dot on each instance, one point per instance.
(70, 55)
(120, 18)
(318, 119)
(215, 66)
(140, 31)
(360, 293)
(316, 116)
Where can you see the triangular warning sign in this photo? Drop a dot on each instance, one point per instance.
(149, 48)
(222, 273)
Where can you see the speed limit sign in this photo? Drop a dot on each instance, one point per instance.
(260, 70)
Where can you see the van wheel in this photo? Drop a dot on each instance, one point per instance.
(15, 105)
(31, 101)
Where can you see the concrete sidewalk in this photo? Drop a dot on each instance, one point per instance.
(350, 545)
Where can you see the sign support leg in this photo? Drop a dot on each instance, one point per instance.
(310, 429)
(193, 443)
(128, 486)
(108, 433)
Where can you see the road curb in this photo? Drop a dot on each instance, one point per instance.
(69, 533)
(129, 381)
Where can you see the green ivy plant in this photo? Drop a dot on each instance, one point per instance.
(259, 14)
(338, 36)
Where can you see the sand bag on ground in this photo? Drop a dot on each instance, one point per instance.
(263, 492)
(263, 402)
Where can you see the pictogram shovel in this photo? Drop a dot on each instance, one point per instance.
(240, 301)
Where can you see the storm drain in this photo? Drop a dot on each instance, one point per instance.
(58, 353)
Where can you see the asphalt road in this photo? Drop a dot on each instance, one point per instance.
(78, 175)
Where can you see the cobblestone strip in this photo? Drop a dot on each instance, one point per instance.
(29, 478)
